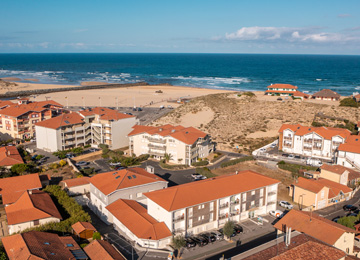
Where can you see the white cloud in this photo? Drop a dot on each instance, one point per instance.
(288, 34)
(344, 15)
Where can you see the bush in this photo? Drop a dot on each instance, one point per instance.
(62, 163)
(249, 94)
(348, 102)
(39, 157)
(281, 162)
(83, 245)
(294, 168)
(20, 168)
(172, 167)
(72, 208)
(97, 236)
(87, 146)
(236, 161)
(200, 163)
(54, 166)
(348, 221)
(205, 172)
(316, 124)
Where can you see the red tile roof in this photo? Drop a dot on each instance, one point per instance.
(325, 132)
(62, 120)
(312, 224)
(29, 207)
(135, 217)
(109, 182)
(5, 103)
(16, 110)
(302, 247)
(79, 227)
(9, 155)
(326, 93)
(105, 113)
(339, 169)
(37, 245)
(13, 187)
(300, 94)
(100, 249)
(186, 195)
(282, 86)
(280, 91)
(308, 184)
(187, 135)
(76, 182)
(352, 144)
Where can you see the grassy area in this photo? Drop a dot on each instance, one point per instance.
(294, 168)
(236, 161)
(205, 172)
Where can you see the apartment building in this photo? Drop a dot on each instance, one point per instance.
(184, 144)
(281, 90)
(348, 154)
(17, 120)
(131, 183)
(208, 204)
(318, 142)
(318, 227)
(86, 127)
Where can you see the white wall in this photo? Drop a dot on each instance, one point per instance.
(22, 226)
(120, 130)
(48, 139)
(79, 189)
(160, 214)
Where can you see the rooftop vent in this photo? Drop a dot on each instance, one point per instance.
(129, 177)
(160, 129)
(69, 245)
(186, 132)
(356, 139)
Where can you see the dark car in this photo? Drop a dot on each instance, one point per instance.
(279, 98)
(238, 229)
(349, 208)
(232, 235)
(336, 219)
(204, 240)
(210, 237)
(118, 168)
(351, 215)
(285, 155)
(190, 242)
(200, 241)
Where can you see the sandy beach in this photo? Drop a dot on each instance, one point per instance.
(139, 96)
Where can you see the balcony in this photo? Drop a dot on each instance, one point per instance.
(307, 148)
(289, 138)
(69, 136)
(271, 193)
(159, 147)
(234, 213)
(179, 218)
(308, 141)
(179, 230)
(287, 145)
(235, 202)
(317, 147)
(155, 140)
(223, 216)
(68, 130)
(225, 205)
(151, 152)
(271, 203)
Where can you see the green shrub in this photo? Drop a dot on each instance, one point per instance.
(39, 157)
(348, 221)
(200, 163)
(281, 162)
(97, 236)
(348, 102)
(205, 172)
(172, 167)
(236, 161)
(249, 94)
(294, 168)
(20, 168)
(54, 166)
(83, 245)
(317, 124)
(87, 146)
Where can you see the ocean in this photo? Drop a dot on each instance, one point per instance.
(221, 71)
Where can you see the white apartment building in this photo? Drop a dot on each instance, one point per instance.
(92, 126)
(348, 154)
(184, 144)
(201, 206)
(130, 184)
(318, 142)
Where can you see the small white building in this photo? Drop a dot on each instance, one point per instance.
(33, 208)
(348, 154)
(131, 184)
(208, 204)
(77, 186)
(184, 144)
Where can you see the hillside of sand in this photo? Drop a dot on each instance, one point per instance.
(245, 123)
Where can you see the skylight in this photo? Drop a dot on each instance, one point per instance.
(129, 177)
(67, 122)
(46, 243)
(69, 245)
(134, 176)
(117, 177)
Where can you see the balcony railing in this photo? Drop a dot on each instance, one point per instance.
(69, 136)
(317, 147)
(234, 202)
(271, 193)
(287, 145)
(179, 218)
(155, 140)
(224, 205)
(159, 147)
(234, 213)
(68, 130)
(306, 148)
(287, 138)
(156, 153)
(223, 216)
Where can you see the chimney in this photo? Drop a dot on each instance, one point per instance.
(30, 192)
(150, 169)
(237, 172)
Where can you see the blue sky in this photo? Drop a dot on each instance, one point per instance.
(197, 26)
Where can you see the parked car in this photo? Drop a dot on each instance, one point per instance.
(115, 163)
(190, 242)
(211, 238)
(81, 163)
(291, 156)
(279, 99)
(93, 150)
(195, 175)
(297, 157)
(118, 168)
(162, 107)
(336, 219)
(169, 107)
(69, 155)
(350, 208)
(284, 155)
(273, 145)
(232, 235)
(285, 204)
(200, 241)
(33, 140)
(314, 162)
(139, 109)
(218, 235)
(238, 229)
(351, 215)
(276, 213)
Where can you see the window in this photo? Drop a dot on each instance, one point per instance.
(211, 216)
(244, 196)
(190, 212)
(261, 192)
(138, 195)
(253, 203)
(211, 206)
(260, 202)
(253, 193)
(203, 206)
(199, 218)
(202, 217)
(322, 194)
(36, 222)
(190, 223)
(199, 207)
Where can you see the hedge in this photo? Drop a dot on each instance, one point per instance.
(236, 161)
(172, 167)
(205, 172)
(75, 211)
(201, 163)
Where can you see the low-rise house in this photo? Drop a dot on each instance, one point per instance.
(13, 187)
(300, 246)
(281, 90)
(356, 97)
(131, 183)
(33, 208)
(100, 249)
(326, 94)
(300, 95)
(76, 186)
(318, 227)
(9, 155)
(18, 120)
(94, 126)
(318, 193)
(317, 142)
(185, 145)
(42, 245)
(45, 179)
(348, 153)
(132, 219)
(84, 230)
(340, 174)
(208, 204)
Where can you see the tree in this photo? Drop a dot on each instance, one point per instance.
(229, 229)
(168, 157)
(4, 172)
(348, 221)
(348, 102)
(97, 236)
(19, 168)
(178, 242)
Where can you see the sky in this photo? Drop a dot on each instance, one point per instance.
(172, 26)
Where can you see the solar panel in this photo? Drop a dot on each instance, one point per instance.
(67, 122)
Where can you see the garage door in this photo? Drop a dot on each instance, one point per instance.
(321, 204)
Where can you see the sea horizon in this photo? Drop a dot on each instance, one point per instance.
(232, 71)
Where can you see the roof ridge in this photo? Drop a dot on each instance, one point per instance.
(117, 187)
(172, 202)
